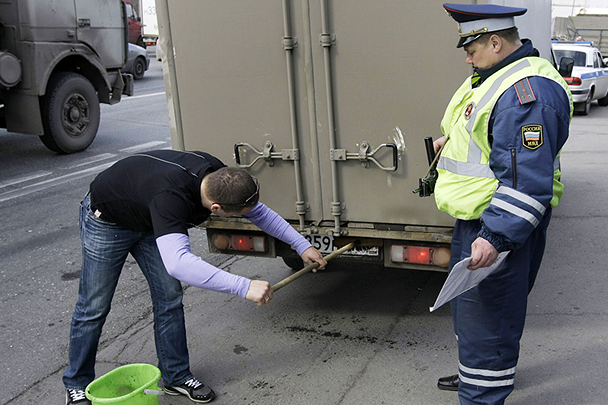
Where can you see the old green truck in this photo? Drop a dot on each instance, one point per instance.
(58, 61)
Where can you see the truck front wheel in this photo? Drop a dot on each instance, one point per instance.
(70, 113)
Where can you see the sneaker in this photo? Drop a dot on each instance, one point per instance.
(76, 397)
(193, 389)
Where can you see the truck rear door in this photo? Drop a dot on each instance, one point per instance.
(308, 91)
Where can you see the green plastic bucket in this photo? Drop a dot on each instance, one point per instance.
(126, 385)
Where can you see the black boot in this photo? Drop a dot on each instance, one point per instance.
(448, 383)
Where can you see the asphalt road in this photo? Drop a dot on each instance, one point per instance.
(348, 335)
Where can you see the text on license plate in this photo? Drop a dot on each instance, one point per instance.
(325, 245)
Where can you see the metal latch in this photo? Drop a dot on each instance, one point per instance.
(266, 154)
(365, 156)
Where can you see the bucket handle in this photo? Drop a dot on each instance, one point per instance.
(154, 392)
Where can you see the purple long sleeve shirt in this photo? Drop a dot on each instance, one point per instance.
(185, 266)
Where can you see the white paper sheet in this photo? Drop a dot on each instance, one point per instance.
(462, 279)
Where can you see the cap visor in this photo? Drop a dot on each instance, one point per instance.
(467, 40)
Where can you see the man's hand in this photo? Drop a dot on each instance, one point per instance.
(483, 254)
(312, 255)
(259, 292)
(439, 142)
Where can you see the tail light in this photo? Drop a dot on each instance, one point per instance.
(420, 255)
(243, 243)
(573, 81)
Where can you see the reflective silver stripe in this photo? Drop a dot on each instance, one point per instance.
(515, 211)
(474, 152)
(524, 198)
(465, 168)
(493, 89)
(487, 373)
(485, 383)
(556, 164)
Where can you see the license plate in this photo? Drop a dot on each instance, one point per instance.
(325, 245)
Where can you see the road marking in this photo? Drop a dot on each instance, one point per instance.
(142, 146)
(9, 195)
(24, 178)
(92, 159)
(142, 96)
(32, 188)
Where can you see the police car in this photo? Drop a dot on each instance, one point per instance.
(589, 80)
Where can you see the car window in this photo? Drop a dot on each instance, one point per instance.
(580, 58)
(596, 61)
(131, 13)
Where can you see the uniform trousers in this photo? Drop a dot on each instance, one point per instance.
(489, 319)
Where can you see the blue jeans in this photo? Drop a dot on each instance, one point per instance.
(105, 247)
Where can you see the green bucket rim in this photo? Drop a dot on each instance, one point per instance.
(126, 396)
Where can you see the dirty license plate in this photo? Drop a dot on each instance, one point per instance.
(325, 245)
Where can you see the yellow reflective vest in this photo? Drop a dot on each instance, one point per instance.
(466, 182)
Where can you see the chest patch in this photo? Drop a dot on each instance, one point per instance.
(532, 136)
(469, 110)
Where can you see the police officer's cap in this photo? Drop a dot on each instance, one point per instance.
(474, 20)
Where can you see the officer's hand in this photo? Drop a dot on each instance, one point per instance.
(259, 292)
(312, 255)
(439, 143)
(483, 254)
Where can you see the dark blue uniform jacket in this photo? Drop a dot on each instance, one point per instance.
(514, 163)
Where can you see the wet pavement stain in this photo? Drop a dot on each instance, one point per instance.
(73, 275)
(338, 335)
(238, 349)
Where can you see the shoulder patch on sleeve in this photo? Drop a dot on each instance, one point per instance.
(524, 91)
(532, 136)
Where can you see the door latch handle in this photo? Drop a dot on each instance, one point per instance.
(365, 156)
(266, 154)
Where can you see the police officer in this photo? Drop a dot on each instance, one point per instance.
(499, 176)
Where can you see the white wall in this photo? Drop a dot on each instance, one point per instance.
(566, 8)
(535, 24)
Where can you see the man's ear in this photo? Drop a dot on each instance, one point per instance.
(215, 207)
(496, 43)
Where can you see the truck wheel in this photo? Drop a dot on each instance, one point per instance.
(296, 263)
(70, 113)
(139, 68)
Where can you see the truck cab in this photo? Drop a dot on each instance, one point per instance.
(58, 61)
(135, 25)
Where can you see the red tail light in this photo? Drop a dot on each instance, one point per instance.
(240, 243)
(244, 243)
(573, 81)
(420, 255)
